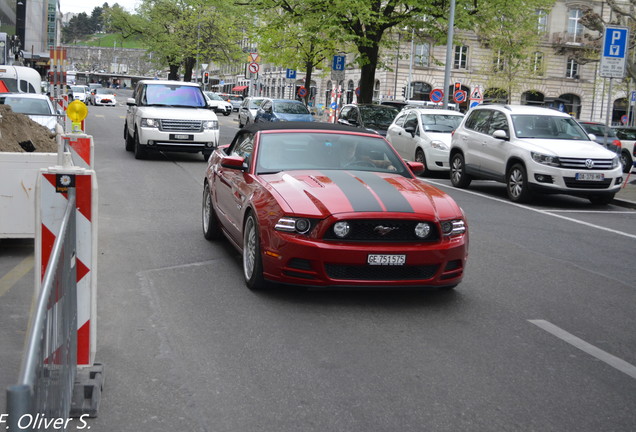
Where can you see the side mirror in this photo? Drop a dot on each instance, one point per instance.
(234, 162)
(500, 134)
(131, 102)
(411, 129)
(592, 137)
(416, 167)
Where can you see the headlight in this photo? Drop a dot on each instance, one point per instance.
(439, 145)
(422, 230)
(148, 122)
(616, 162)
(341, 229)
(290, 224)
(546, 159)
(211, 124)
(453, 227)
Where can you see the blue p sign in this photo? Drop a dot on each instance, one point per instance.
(338, 63)
(615, 42)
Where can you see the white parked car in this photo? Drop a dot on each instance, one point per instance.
(424, 135)
(103, 96)
(170, 116)
(79, 92)
(37, 106)
(219, 104)
(532, 149)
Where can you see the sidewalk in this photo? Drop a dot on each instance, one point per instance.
(626, 197)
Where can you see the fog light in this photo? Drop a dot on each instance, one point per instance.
(209, 144)
(542, 178)
(619, 180)
(422, 230)
(341, 229)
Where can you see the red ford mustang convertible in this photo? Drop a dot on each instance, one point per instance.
(322, 205)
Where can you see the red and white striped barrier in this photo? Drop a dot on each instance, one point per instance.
(51, 200)
(82, 149)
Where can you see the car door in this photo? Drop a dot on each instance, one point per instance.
(131, 110)
(410, 138)
(395, 133)
(229, 186)
(494, 151)
(473, 138)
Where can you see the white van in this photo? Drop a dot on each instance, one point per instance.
(20, 79)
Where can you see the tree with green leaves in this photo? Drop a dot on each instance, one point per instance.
(512, 31)
(363, 25)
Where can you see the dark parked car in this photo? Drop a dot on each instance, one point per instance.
(598, 130)
(375, 118)
(627, 135)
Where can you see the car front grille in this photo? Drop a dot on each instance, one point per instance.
(380, 273)
(181, 125)
(395, 231)
(581, 163)
(573, 183)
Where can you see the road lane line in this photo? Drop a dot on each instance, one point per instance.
(15, 274)
(543, 212)
(611, 360)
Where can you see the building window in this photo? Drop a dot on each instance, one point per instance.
(498, 62)
(537, 63)
(573, 69)
(575, 28)
(461, 57)
(376, 90)
(542, 21)
(422, 54)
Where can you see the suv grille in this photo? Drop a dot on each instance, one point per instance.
(579, 163)
(365, 230)
(181, 125)
(571, 182)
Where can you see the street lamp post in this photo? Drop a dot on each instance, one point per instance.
(449, 52)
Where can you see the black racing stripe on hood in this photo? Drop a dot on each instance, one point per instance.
(390, 196)
(360, 198)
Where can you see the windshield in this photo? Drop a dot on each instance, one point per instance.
(445, 123)
(313, 150)
(103, 91)
(174, 95)
(215, 97)
(377, 116)
(599, 130)
(552, 127)
(27, 105)
(290, 108)
(255, 103)
(78, 89)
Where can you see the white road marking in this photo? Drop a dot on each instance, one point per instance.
(590, 349)
(543, 212)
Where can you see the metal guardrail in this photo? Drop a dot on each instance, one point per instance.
(45, 384)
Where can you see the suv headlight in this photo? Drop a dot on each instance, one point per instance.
(211, 124)
(546, 159)
(148, 122)
(616, 162)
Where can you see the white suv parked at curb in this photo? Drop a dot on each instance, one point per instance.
(532, 150)
(170, 116)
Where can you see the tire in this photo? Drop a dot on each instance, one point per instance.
(206, 154)
(252, 259)
(517, 184)
(458, 175)
(603, 199)
(227, 113)
(130, 142)
(240, 124)
(140, 152)
(210, 223)
(626, 161)
(419, 157)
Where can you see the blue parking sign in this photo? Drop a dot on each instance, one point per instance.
(338, 63)
(615, 42)
(291, 74)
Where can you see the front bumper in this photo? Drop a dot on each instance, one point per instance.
(154, 139)
(547, 179)
(321, 264)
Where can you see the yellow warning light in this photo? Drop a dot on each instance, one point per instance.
(77, 111)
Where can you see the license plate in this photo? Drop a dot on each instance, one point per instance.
(181, 137)
(378, 259)
(590, 176)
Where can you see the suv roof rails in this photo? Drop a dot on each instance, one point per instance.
(508, 107)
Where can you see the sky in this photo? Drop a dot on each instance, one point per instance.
(87, 6)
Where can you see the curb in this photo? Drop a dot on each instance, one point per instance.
(624, 203)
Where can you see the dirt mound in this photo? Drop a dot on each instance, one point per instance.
(18, 133)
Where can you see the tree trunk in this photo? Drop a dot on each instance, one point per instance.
(309, 67)
(190, 64)
(367, 72)
(174, 72)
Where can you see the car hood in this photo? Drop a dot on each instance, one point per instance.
(295, 117)
(179, 113)
(331, 192)
(440, 136)
(569, 148)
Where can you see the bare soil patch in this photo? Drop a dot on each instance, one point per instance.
(17, 129)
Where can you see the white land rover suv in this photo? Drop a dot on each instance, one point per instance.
(170, 116)
(532, 149)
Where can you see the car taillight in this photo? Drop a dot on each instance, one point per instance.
(617, 143)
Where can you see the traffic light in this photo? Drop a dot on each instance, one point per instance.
(404, 92)
(458, 86)
(206, 78)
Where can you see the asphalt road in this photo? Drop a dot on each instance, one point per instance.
(539, 336)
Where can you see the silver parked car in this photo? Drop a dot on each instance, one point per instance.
(248, 110)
